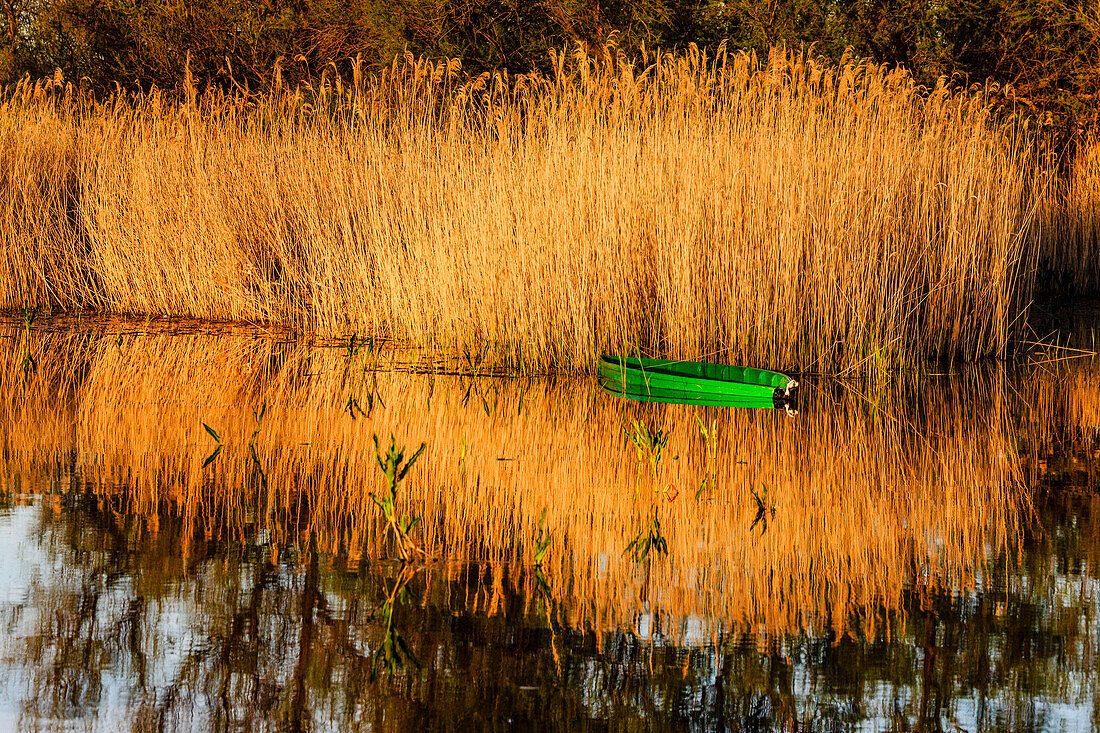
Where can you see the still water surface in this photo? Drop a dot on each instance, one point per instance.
(897, 557)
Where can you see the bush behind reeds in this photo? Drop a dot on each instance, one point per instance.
(778, 212)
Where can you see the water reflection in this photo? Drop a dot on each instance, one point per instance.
(928, 557)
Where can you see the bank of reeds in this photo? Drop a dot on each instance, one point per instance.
(1072, 253)
(778, 212)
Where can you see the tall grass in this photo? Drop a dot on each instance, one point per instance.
(1073, 243)
(775, 211)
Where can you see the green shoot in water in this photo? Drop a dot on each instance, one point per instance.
(29, 314)
(474, 388)
(462, 459)
(542, 540)
(30, 363)
(258, 416)
(542, 546)
(217, 439)
(542, 589)
(648, 539)
(474, 360)
(710, 437)
(351, 349)
(763, 509)
(648, 445)
(395, 467)
(393, 651)
(354, 407)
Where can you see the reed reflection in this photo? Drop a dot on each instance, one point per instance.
(857, 492)
(253, 590)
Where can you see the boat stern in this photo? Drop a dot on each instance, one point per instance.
(786, 397)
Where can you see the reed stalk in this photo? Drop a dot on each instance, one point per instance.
(1073, 239)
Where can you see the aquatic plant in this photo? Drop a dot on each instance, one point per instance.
(649, 538)
(352, 407)
(29, 316)
(543, 539)
(475, 387)
(372, 394)
(30, 362)
(394, 467)
(474, 358)
(543, 589)
(649, 443)
(393, 652)
(351, 348)
(257, 417)
(218, 445)
(710, 439)
(462, 460)
(764, 508)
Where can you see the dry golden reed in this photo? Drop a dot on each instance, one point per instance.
(1073, 242)
(870, 493)
(779, 212)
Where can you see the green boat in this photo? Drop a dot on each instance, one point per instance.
(689, 382)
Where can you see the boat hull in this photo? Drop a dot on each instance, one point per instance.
(633, 374)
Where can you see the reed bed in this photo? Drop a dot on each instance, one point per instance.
(867, 499)
(779, 211)
(1073, 244)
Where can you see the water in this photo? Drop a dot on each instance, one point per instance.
(896, 557)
